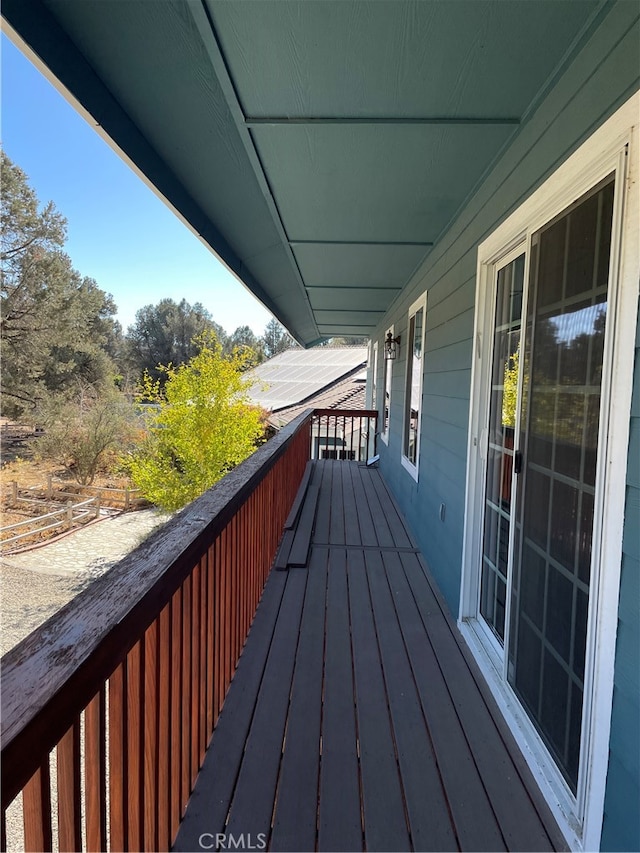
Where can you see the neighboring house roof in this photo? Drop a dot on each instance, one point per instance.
(297, 379)
(350, 393)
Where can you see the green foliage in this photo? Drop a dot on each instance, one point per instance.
(276, 339)
(80, 433)
(243, 340)
(56, 327)
(510, 392)
(165, 334)
(199, 426)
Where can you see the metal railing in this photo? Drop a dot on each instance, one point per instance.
(347, 434)
(121, 689)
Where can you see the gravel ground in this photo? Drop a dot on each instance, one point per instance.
(37, 583)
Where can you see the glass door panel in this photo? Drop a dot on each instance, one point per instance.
(502, 422)
(562, 374)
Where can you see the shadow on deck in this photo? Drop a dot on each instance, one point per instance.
(356, 719)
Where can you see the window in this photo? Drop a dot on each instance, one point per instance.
(374, 375)
(387, 377)
(554, 344)
(413, 386)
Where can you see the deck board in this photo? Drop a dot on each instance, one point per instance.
(295, 816)
(339, 823)
(209, 803)
(431, 829)
(474, 820)
(401, 535)
(301, 545)
(378, 515)
(337, 522)
(385, 827)
(514, 814)
(324, 477)
(356, 719)
(365, 521)
(252, 804)
(352, 535)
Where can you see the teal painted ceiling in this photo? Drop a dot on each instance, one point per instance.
(320, 147)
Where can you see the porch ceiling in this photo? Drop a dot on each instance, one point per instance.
(319, 148)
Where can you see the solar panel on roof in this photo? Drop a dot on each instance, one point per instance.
(297, 374)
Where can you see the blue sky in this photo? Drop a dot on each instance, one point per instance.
(119, 232)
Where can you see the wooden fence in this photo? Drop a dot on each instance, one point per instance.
(125, 497)
(62, 518)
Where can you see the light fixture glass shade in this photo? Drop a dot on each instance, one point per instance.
(391, 347)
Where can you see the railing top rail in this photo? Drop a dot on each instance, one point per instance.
(60, 665)
(349, 413)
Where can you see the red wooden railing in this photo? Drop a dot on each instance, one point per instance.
(120, 691)
(126, 682)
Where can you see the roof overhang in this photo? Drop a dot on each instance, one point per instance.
(319, 148)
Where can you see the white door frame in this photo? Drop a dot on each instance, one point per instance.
(613, 147)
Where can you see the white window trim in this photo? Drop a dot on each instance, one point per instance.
(421, 302)
(387, 366)
(612, 146)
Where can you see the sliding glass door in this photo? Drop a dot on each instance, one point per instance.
(543, 424)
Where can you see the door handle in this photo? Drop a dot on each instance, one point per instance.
(517, 462)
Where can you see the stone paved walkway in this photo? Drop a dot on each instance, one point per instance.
(37, 583)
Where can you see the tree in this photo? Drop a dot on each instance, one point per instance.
(164, 334)
(79, 433)
(244, 339)
(276, 339)
(55, 325)
(200, 426)
(354, 341)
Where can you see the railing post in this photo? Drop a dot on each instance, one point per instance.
(97, 507)
(69, 513)
(127, 498)
(14, 492)
(49, 486)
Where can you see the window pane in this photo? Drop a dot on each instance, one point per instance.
(387, 373)
(374, 376)
(502, 420)
(413, 399)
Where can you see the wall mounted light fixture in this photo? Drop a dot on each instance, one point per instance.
(391, 346)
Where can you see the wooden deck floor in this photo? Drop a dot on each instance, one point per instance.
(356, 720)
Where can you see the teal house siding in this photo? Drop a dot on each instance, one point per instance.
(602, 76)
(623, 777)
(580, 101)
